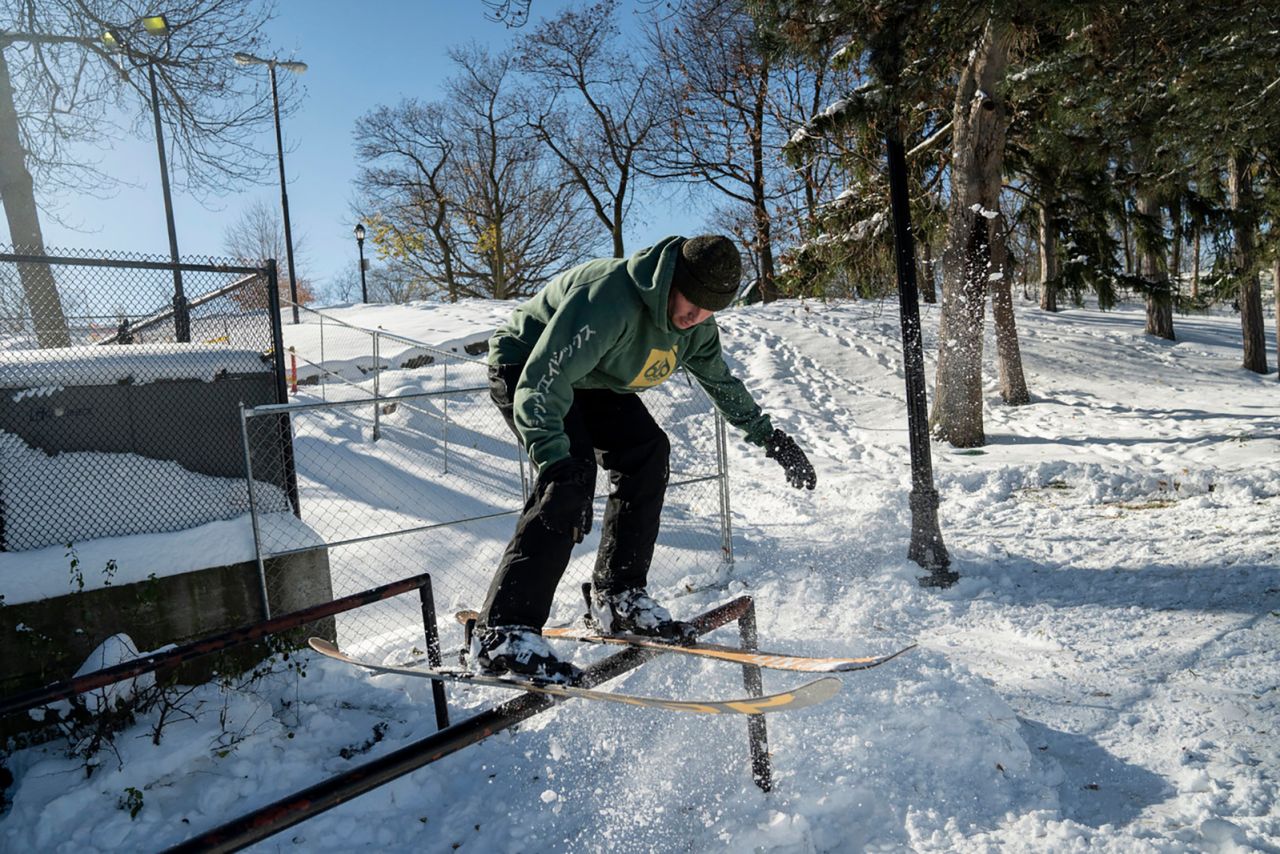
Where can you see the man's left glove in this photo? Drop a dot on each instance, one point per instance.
(781, 447)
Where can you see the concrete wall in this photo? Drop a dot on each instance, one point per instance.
(48, 640)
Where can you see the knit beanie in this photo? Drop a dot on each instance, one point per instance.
(708, 271)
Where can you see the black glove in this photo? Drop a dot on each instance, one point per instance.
(781, 447)
(565, 491)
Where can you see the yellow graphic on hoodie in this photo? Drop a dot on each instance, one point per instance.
(660, 365)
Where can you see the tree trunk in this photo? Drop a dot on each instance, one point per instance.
(1152, 270)
(1240, 187)
(929, 285)
(1195, 264)
(1124, 232)
(1175, 264)
(1275, 289)
(977, 159)
(1048, 260)
(759, 191)
(17, 191)
(1013, 385)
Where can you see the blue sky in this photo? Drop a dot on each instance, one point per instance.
(357, 59)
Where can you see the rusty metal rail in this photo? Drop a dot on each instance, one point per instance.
(323, 796)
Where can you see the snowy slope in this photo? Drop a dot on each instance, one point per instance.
(1105, 676)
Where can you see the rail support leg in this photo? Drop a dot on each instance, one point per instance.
(761, 768)
(433, 651)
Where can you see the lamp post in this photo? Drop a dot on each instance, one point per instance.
(158, 25)
(296, 68)
(364, 290)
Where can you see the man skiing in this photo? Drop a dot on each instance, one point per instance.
(564, 371)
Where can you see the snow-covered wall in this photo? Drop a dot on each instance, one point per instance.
(140, 363)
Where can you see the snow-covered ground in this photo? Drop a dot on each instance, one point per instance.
(1105, 676)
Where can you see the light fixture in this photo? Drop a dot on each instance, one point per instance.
(155, 25)
(359, 231)
(246, 59)
(295, 67)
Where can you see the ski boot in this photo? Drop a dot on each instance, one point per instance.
(633, 612)
(519, 651)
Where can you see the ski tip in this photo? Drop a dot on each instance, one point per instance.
(321, 645)
(821, 690)
(866, 664)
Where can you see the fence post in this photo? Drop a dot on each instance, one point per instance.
(253, 514)
(445, 428)
(722, 472)
(377, 385)
(323, 375)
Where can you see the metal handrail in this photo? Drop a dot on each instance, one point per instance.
(300, 806)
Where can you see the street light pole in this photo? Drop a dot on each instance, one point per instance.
(364, 290)
(159, 26)
(284, 197)
(297, 68)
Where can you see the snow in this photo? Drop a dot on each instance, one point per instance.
(1104, 677)
(138, 363)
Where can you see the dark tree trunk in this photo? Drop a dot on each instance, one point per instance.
(1148, 242)
(928, 284)
(17, 191)
(1048, 260)
(1013, 384)
(1240, 186)
(1195, 264)
(1175, 264)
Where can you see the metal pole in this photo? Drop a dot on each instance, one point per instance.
(445, 427)
(285, 426)
(722, 470)
(181, 312)
(377, 375)
(926, 547)
(432, 633)
(284, 196)
(364, 290)
(761, 767)
(253, 515)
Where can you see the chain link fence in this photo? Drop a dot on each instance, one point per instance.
(120, 381)
(404, 466)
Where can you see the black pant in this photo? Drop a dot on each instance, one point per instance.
(608, 429)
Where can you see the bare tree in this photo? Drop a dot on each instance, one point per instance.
(410, 150)
(592, 107)
(258, 234)
(520, 218)
(61, 83)
(508, 216)
(720, 130)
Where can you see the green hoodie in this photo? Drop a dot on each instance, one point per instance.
(604, 324)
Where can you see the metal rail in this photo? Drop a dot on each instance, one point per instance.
(339, 789)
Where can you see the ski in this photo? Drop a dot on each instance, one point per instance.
(769, 660)
(809, 694)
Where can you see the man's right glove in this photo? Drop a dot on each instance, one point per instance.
(781, 447)
(565, 492)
